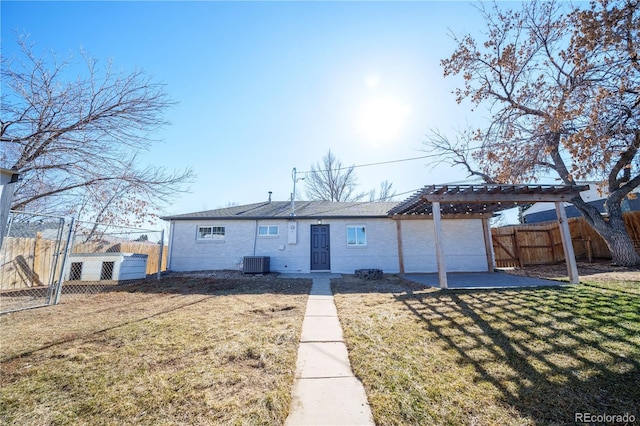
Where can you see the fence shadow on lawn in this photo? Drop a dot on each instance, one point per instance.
(550, 352)
(206, 288)
(168, 284)
(71, 337)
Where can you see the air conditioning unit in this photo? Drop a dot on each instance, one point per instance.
(255, 264)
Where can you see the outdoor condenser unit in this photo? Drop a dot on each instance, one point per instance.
(255, 265)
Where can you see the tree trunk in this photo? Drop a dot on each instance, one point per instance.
(613, 231)
(623, 252)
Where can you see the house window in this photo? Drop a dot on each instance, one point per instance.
(268, 231)
(210, 233)
(356, 236)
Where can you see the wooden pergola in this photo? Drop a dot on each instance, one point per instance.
(482, 201)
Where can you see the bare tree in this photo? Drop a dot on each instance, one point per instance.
(384, 193)
(563, 91)
(76, 140)
(330, 181)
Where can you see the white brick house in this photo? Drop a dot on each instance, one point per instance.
(323, 236)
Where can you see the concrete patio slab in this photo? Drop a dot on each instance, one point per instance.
(333, 401)
(321, 329)
(481, 280)
(321, 360)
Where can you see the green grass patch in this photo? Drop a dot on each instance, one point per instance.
(182, 351)
(517, 357)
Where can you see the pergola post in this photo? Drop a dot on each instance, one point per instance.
(466, 201)
(400, 246)
(488, 245)
(437, 227)
(567, 245)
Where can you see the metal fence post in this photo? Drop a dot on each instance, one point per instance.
(160, 254)
(64, 262)
(53, 289)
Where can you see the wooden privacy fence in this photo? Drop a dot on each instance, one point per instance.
(540, 244)
(28, 262)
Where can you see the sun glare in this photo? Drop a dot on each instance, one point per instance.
(381, 119)
(372, 81)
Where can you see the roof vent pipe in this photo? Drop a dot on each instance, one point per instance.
(270, 192)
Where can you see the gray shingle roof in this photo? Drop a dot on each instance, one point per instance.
(282, 209)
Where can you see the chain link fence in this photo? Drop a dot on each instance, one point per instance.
(102, 256)
(32, 259)
(44, 258)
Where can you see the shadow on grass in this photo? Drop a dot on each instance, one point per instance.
(174, 287)
(550, 352)
(87, 336)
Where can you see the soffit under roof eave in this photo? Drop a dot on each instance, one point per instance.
(311, 217)
(452, 216)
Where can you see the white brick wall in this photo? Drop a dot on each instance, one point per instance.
(463, 246)
(380, 252)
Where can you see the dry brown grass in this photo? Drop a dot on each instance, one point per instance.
(187, 350)
(600, 272)
(488, 357)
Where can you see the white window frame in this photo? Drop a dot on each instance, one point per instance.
(218, 233)
(271, 231)
(357, 242)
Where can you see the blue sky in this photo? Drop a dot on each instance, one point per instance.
(263, 87)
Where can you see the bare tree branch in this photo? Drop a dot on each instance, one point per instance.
(385, 192)
(330, 181)
(79, 138)
(563, 86)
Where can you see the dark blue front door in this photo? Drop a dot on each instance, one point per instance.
(320, 258)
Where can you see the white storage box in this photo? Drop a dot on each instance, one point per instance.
(106, 266)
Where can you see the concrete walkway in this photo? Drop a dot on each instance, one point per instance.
(325, 391)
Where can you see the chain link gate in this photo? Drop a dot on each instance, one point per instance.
(45, 257)
(32, 259)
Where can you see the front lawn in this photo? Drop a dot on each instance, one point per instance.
(186, 350)
(484, 357)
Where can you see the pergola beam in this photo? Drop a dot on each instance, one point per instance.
(476, 201)
(508, 197)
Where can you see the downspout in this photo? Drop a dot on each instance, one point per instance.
(255, 238)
